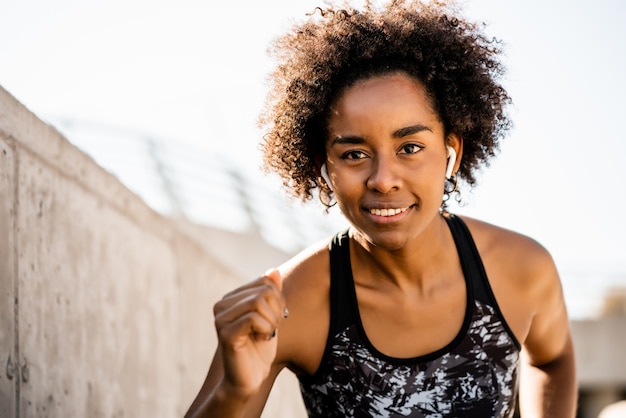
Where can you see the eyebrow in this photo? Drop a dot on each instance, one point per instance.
(410, 130)
(400, 133)
(348, 140)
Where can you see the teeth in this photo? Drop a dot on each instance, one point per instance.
(387, 212)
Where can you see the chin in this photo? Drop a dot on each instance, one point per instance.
(390, 241)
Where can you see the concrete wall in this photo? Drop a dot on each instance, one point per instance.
(105, 306)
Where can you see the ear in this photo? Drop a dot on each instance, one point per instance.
(454, 146)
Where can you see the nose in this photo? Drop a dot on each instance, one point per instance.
(383, 177)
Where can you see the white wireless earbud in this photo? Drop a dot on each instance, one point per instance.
(451, 161)
(324, 173)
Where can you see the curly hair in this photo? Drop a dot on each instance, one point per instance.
(338, 46)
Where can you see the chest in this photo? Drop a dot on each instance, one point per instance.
(412, 325)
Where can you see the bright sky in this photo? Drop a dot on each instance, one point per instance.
(194, 70)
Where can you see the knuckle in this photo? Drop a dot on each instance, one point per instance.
(220, 307)
(216, 309)
(269, 284)
(258, 303)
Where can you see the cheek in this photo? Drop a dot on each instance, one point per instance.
(347, 193)
(431, 176)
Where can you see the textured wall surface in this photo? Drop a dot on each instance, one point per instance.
(8, 283)
(105, 305)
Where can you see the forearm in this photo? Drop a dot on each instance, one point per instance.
(219, 403)
(549, 390)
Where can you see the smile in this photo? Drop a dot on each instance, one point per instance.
(387, 212)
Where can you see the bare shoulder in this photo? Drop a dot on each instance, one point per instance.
(306, 277)
(509, 248)
(522, 274)
(306, 286)
(305, 266)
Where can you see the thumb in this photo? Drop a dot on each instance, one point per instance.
(274, 274)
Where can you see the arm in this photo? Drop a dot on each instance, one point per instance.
(548, 386)
(244, 368)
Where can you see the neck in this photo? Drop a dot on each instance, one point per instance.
(421, 264)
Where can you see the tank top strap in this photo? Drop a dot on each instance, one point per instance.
(474, 269)
(341, 310)
(471, 262)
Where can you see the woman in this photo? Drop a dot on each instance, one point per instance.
(412, 312)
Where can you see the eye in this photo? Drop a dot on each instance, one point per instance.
(410, 149)
(353, 155)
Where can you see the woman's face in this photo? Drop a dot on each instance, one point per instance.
(386, 157)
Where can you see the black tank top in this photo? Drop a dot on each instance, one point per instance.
(475, 375)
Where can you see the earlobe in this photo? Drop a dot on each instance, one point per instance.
(451, 161)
